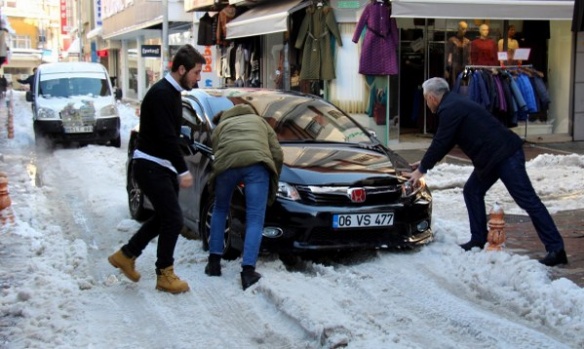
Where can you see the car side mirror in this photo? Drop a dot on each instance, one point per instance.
(28, 96)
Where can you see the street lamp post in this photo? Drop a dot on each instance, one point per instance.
(79, 22)
(164, 37)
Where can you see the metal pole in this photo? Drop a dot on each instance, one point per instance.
(79, 23)
(164, 37)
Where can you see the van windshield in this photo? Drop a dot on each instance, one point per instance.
(77, 86)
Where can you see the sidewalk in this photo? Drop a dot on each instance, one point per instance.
(521, 236)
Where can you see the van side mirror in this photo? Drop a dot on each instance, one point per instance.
(28, 96)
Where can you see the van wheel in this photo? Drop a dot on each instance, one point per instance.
(42, 143)
(116, 142)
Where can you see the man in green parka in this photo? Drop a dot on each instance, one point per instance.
(247, 150)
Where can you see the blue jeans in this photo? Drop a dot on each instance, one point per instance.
(514, 176)
(256, 179)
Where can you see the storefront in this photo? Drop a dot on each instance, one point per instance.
(270, 34)
(134, 31)
(538, 31)
(578, 82)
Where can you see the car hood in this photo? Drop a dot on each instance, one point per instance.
(76, 102)
(339, 165)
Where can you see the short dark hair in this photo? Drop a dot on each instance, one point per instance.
(188, 57)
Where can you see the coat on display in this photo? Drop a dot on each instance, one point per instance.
(314, 38)
(379, 52)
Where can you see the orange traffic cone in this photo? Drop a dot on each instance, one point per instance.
(496, 237)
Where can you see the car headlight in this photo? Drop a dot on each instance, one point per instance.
(108, 110)
(46, 113)
(409, 190)
(287, 191)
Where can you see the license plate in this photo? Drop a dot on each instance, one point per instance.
(78, 129)
(363, 220)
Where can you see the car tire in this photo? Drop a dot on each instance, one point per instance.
(289, 260)
(136, 198)
(229, 252)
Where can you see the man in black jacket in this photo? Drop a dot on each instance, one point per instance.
(160, 169)
(496, 153)
(29, 79)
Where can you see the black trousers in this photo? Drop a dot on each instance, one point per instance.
(160, 185)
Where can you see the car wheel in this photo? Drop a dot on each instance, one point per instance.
(289, 260)
(229, 252)
(136, 198)
(42, 143)
(116, 142)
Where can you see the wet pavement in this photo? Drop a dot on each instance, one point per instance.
(521, 236)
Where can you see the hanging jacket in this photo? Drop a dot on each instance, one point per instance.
(314, 37)
(379, 51)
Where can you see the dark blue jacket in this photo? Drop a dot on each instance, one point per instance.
(479, 135)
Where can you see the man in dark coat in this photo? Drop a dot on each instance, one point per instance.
(160, 169)
(496, 153)
(29, 80)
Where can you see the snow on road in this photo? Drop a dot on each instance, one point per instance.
(59, 291)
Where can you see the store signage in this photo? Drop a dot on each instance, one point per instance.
(191, 5)
(417, 45)
(150, 50)
(522, 54)
(97, 9)
(63, 13)
(348, 4)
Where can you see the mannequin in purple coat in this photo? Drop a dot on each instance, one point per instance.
(379, 51)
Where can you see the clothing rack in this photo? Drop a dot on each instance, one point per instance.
(504, 67)
(498, 67)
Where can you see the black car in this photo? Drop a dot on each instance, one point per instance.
(340, 188)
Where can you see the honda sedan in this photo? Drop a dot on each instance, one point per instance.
(340, 188)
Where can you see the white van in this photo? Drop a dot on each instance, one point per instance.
(74, 101)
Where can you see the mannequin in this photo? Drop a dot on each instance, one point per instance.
(512, 45)
(483, 51)
(457, 53)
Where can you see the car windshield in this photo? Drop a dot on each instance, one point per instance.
(298, 118)
(77, 86)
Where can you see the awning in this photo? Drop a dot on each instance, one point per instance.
(578, 19)
(484, 9)
(95, 32)
(74, 47)
(264, 19)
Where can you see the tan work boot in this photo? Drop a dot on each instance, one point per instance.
(166, 280)
(126, 264)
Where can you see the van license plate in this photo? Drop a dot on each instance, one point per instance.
(364, 220)
(78, 129)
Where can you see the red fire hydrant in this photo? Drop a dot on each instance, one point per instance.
(496, 237)
(5, 202)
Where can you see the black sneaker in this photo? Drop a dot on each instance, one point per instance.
(213, 267)
(469, 245)
(554, 258)
(249, 277)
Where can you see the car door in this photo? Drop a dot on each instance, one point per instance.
(198, 157)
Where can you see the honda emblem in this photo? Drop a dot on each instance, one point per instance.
(357, 194)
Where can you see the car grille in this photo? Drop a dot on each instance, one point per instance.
(338, 195)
